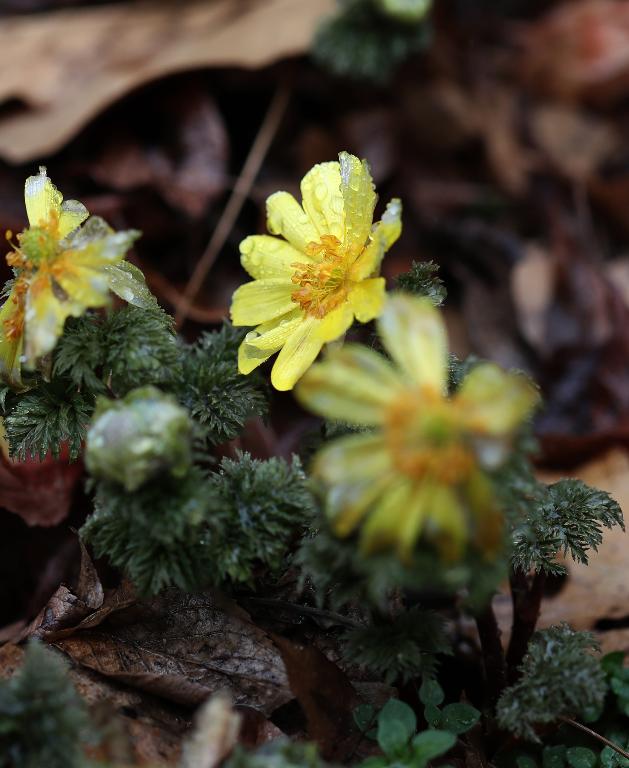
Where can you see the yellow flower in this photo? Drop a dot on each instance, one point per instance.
(309, 287)
(421, 470)
(61, 269)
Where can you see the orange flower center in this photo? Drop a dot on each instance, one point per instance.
(323, 285)
(424, 437)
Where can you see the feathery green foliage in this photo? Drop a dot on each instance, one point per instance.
(219, 398)
(422, 280)
(42, 719)
(120, 351)
(363, 41)
(406, 648)
(42, 419)
(201, 529)
(160, 535)
(559, 678)
(567, 517)
(278, 754)
(261, 506)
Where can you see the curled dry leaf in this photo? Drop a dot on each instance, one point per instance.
(67, 85)
(184, 648)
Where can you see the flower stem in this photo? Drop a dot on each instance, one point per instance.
(527, 601)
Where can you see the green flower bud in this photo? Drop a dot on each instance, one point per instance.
(133, 439)
(407, 11)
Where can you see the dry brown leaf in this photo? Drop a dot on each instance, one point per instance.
(185, 648)
(135, 728)
(67, 66)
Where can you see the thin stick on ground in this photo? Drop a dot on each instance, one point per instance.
(595, 735)
(241, 191)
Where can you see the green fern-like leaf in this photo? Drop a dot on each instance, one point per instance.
(262, 505)
(41, 420)
(406, 648)
(559, 678)
(422, 280)
(217, 397)
(566, 517)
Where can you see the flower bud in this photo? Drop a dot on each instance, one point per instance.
(133, 439)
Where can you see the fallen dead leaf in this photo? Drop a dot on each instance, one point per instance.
(185, 648)
(136, 729)
(40, 492)
(66, 66)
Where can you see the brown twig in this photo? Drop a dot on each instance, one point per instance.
(241, 191)
(595, 735)
(527, 602)
(493, 654)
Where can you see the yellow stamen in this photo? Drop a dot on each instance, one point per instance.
(324, 284)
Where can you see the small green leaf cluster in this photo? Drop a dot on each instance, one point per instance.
(396, 733)
(567, 517)
(559, 677)
(404, 649)
(218, 398)
(422, 280)
(42, 719)
(112, 354)
(458, 717)
(368, 39)
(278, 754)
(202, 528)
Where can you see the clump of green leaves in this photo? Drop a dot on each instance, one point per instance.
(369, 39)
(217, 397)
(278, 754)
(559, 677)
(396, 733)
(568, 517)
(260, 506)
(201, 528)
(160, 535)
(405, 648)
(422, 280)
(42, 719)
(41, 420)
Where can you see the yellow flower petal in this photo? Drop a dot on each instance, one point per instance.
(336, 323)
(446, 522)
(495, 402)
(323, 200)
(351, 458)
(287, 218)
(488, 517)
(297, 355)
(359, 198)
(367, 298)
(381, 530)
(384, 234)
(41, 198)
(353, 385)
(259, 344)
(261, 300)
(73, 214)
(268, 257)
(413, 333)
(45, 317)
(10, 348)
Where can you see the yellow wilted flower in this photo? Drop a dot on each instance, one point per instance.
(422, 468)
(309, 287)
(61, 269)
